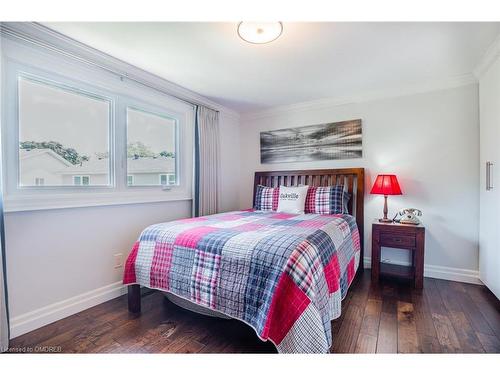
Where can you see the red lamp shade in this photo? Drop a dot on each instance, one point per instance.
(386, 184)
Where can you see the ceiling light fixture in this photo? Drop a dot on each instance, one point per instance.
(259, 32)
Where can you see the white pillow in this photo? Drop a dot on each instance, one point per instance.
(292, 199)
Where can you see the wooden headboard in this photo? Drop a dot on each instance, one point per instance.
(352, 178)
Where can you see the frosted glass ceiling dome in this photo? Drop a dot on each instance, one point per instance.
(259, 32)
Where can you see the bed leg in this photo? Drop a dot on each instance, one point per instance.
(134, 298)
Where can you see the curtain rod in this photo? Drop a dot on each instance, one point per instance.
(16, 34)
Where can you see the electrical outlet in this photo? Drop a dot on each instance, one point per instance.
(118, 260)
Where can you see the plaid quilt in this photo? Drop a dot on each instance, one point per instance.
(283, 274)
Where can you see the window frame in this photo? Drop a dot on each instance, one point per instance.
(17, 57)
(152, 110)
(67, 86)
(81, 176)
(132, 177)
(166, 178)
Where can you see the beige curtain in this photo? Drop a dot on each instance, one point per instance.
(208, 155)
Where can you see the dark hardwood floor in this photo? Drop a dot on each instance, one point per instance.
(391, 317)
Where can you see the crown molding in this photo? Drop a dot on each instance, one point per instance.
(449, 83)
(37, 34)
(489, 57)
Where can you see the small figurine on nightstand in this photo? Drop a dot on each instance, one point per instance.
(409, 216)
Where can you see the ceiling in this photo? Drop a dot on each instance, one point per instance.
(309, 61)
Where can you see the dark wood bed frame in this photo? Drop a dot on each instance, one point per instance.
(352, 178)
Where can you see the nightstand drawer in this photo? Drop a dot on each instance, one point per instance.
(389, 239)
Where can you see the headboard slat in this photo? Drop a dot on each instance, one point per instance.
(349, 189)
(351, 178)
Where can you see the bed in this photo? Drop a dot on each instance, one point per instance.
(283, 274)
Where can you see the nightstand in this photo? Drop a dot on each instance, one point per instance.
(400, 236)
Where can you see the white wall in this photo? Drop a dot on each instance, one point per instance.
(430, 140)
(61, 261)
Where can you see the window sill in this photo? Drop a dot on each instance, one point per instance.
(62, 201)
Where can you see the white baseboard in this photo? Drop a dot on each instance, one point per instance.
(440, 272)
(32, 320)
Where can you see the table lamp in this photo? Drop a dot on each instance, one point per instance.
(386, 184)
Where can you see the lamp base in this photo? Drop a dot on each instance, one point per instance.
(385, 220)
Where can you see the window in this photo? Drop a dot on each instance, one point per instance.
(167, 179)
(81, 180)
(69, 128)
(62, 132)
(163, 179)
(151, 148)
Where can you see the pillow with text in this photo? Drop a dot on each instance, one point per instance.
(292, 199)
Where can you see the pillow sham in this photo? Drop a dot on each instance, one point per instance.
(266, 198)
(292, 199)
(327, 200)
